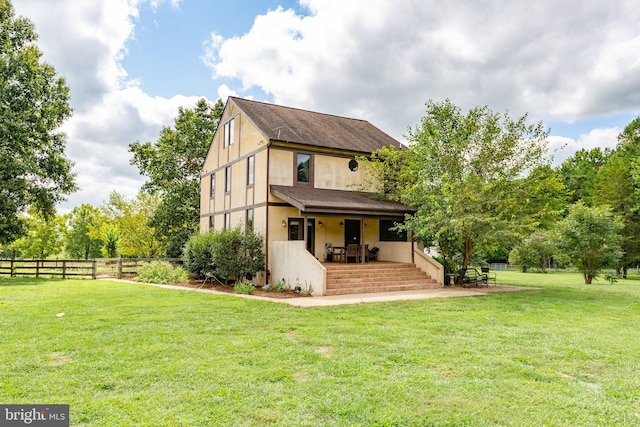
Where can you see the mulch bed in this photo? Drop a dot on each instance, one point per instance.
(229, 289)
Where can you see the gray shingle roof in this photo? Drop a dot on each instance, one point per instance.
(315, 129)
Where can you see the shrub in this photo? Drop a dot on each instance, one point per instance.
(161, 272)
(197, 254)
(281, 286)
(244, 288)
(235, 253)
(238, 253)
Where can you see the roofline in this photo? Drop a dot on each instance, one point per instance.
(299, 109)
(316, 148)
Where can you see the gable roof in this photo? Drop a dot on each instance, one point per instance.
(293, 125)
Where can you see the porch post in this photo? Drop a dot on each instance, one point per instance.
(362, 239)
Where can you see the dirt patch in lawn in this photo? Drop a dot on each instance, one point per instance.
(215, 286)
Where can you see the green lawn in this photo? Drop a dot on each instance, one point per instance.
(131, 354)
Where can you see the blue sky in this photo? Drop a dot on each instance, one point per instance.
(167, 49)
(131, 63)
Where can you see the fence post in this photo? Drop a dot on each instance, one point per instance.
(94, 269)
(12, 270)
(119, 273)
(64, 269)
(37, 268)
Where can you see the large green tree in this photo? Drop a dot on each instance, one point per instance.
(464, 175)
(82, 239)
(172, 165)
(44, 237)
(618, 186)
(128, 222)
(590, 236)
(580, 173)
(34, 102)
(615, 188)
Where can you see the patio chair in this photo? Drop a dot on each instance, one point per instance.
(352, 252)
(488, 276)
(338, 254)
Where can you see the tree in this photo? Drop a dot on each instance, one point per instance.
(44, 237)
(34, 102)
(590, 239)
(535, 251)
(129, 223)
(464, 176)
(81, 239)
(173, 166)
(615, 188)
(579, 173)
(629, 139)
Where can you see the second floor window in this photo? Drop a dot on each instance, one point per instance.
(303, 168)
(251, 166)
(227, 179)
(213, 184)
(229, 131)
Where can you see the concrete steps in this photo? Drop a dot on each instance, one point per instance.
(376, 277)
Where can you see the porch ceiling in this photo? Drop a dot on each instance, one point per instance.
(317, 200)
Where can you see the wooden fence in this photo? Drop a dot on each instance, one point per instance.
(94, 268)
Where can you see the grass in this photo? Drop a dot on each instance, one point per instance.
(128, 354)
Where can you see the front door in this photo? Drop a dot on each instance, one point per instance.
(351, 231)
(311, 235)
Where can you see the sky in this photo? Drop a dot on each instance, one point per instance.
(130, 64)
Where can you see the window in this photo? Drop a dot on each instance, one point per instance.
(213, 184)
(296, 228)
(389, 235)
(227, 221)
(227, 179)
(249, 219)
(211, 223)
(303, 168)
(251, 166)
(229, 132)
(353, 165)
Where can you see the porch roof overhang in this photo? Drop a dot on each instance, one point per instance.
(317, 200)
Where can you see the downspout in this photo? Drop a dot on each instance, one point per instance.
(266, 237)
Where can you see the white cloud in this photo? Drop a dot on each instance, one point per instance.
(562, 147)
(86, 41)
(381, 60)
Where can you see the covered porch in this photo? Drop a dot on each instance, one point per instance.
(331, 222)
(325, 233)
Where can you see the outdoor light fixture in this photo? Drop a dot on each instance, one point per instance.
(284, 223)
(320, 224)
(341, 224)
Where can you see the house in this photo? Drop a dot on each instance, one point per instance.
(293, 175)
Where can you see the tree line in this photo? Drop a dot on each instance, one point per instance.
(483, 188)
(36, 174)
